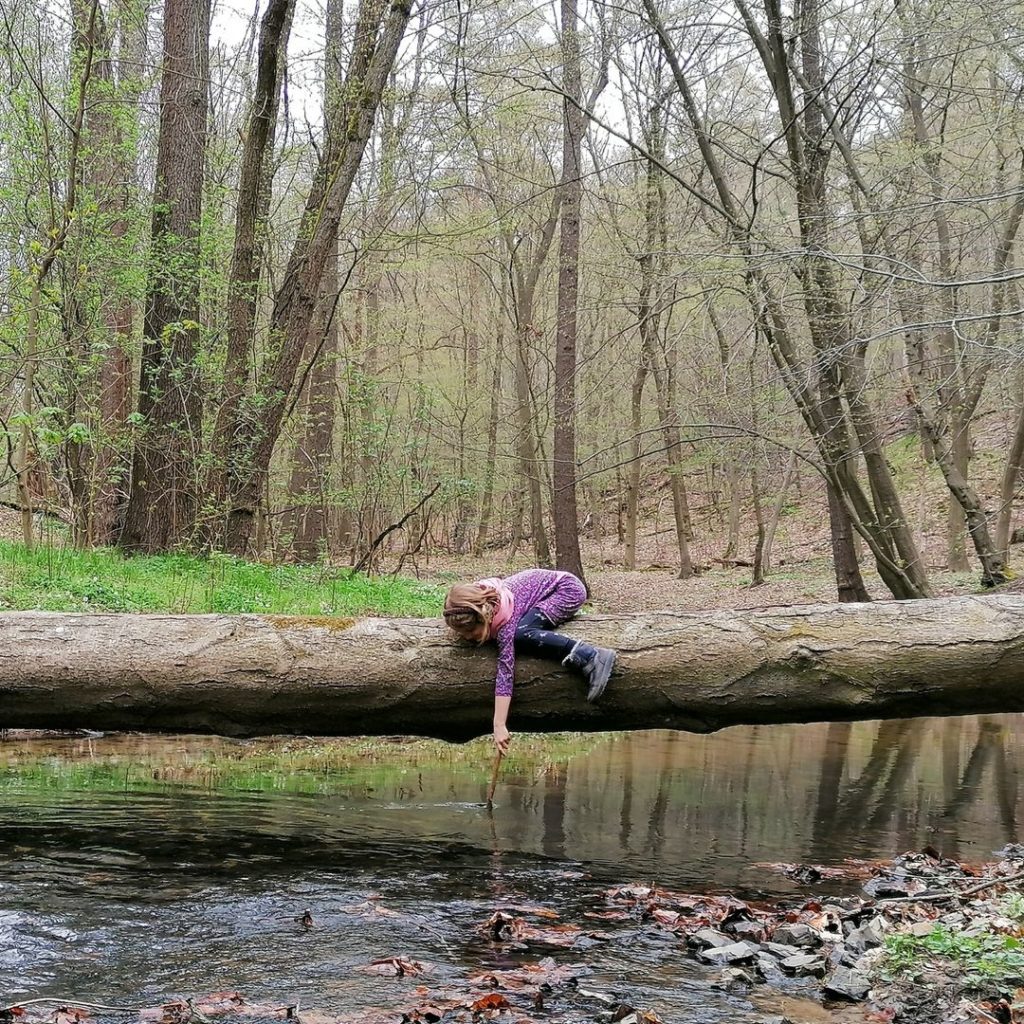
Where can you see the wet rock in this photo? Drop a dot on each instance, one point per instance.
(804, 965)
(796, 935)
(806, 874)
(897, 885)
(746, 930)
(868, 935)
(1011, 851)
(736, 979)
(847, 983)
(769, 968)
(600, 997)
(705, 937)
(839, 955)
(735, 953)
(780, 949)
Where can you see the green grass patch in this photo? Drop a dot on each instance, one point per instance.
(974, 960)
(355, 765)
(51, 578)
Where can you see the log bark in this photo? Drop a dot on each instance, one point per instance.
(254, 675)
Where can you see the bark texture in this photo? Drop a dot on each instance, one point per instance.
(252, 675)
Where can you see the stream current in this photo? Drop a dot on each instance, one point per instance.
(139, 895)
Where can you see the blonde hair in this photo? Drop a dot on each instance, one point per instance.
(469, 608)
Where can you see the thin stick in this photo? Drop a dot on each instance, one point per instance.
(494, 779)
(938, 897)
(72, 1002)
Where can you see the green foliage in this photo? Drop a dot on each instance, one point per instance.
(64, 579)
(975, 960)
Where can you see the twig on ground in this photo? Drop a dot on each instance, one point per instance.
(938, 897)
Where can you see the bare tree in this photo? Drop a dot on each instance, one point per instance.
(164, 497)
(380, 27)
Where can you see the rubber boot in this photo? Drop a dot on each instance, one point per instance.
(596, 664)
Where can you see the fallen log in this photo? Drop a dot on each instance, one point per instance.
(248, 675)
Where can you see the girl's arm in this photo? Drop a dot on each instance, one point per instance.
(503, 684)
(502, 737)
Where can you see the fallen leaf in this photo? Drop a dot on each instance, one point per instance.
(493, 1001)
(70, 1015)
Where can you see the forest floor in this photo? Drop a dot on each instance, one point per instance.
(658, 587)
(58, 578)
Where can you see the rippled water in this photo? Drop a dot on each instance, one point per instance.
(135, 896)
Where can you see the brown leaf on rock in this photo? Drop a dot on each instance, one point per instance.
(669, 918)
(537, 912)
(492, 1001)
(370, 908)
(70, 1015)
(546, 972)
(219, 1002)
(393, 967)
(502, 927)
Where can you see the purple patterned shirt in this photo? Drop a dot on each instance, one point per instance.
(557, 595)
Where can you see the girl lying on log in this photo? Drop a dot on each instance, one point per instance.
(521, 612)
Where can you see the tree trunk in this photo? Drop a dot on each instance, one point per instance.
(1008, 485)
(164, 497)
(633, 470)
(100, 386)
(251, 675)
(755, 496)
(309, 521)
(849, 582)
(653, 272)
(379, 31)
(487, 500)
(309, 486)
(564, 510)
(529, 461)
(247, 254)
(777, 507)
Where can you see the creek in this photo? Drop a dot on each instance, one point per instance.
(121, 884)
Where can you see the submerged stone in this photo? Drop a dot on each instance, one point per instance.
(737, 978)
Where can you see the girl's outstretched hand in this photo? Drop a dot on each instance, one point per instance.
(502, 739)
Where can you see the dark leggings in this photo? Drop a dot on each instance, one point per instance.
(534, 635)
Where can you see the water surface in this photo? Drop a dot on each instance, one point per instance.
(116, 889)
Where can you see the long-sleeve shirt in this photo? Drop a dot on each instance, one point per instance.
(557, 595)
